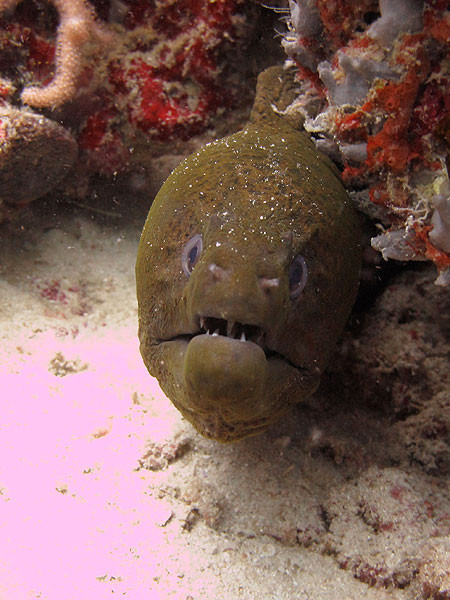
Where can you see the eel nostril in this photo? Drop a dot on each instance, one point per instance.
(217, 272)
(267, 284)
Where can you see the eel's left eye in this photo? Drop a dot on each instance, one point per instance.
(191, 253)
(298, 274)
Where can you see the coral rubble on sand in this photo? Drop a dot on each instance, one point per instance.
(375, 93)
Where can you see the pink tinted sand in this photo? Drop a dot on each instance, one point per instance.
(76, 519)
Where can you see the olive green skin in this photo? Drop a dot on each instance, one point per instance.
(259, 198)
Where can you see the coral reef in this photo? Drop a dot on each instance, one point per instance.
(161, 82)
(130, 80)
(375, 93)
(375, 89)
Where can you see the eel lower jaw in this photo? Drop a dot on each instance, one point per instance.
(211, 342)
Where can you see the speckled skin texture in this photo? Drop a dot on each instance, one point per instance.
(259, 199)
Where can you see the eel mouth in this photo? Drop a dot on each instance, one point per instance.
(210, 417)
(233, 330)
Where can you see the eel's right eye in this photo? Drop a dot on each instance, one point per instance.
(298, 274)
(191, 253)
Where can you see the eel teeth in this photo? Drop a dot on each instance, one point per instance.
(230, 327)
(217, 326)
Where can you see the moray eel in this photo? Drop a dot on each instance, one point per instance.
(247, 269)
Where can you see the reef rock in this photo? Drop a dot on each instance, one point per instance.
(35, 154)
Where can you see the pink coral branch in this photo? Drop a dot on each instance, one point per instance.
(77, 25)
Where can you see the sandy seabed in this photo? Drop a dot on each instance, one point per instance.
(105, 489)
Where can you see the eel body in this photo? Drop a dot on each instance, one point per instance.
(247, 269)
